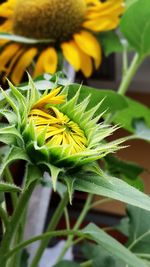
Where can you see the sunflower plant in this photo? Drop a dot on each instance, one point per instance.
(61, 130)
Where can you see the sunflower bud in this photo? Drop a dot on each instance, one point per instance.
(57, 134)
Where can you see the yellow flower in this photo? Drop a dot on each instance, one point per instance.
(58, 24)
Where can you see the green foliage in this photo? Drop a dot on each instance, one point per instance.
(100, 256)
(127, 171)
(112, 246)
(134, 110)
(112, 101)
(111, 187)
(139, 230)
(111, 42)
(135, 26)
(142, 131)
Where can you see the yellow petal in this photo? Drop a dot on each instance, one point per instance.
(7, 8)
(24, 61)
(6, 26)
(7, 53)
(47, 62)
(86, 64)
(104, 16)
(51, 98)
(101, 24)
(71, 54)
(89, 45)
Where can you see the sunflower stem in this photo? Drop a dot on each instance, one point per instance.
(76, 226)
(9, 179)
(14, 222)
(52, 226)
(3, 216)
(129, 74)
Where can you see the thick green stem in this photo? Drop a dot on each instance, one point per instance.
(14, 222)
(4, 217)
(9, 179)
(76, 226)
(127, 78)
(52, 226)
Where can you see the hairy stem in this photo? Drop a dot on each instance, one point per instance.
(14, 222)
(53, 224)
(76, 226)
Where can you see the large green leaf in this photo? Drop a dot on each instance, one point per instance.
(113, 188)
(139, 230)
(135, 25)
(100, 256)
(135, 110)
(128, 171)
(111, 42)
(141, 129)
(112, 101)
(113, 246)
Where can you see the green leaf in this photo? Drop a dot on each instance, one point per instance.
(141, 129)
(115, 166)
(66, 263)
(5, 187)
(130, 2)
(15, 153)
(113, 188)
(112, 101)
(135, 25)
(123, 226)
(24, 40)
(127, 171)
(139, 230)
(113, 246)
(110, 42)
(134, 110)
(100, 255)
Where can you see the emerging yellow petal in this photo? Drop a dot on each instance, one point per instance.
(51, 98)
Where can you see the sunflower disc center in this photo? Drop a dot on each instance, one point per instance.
(52, 19)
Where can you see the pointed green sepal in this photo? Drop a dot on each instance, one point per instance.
(69, 181)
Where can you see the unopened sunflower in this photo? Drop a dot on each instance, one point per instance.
(69, 26)
(56, 134)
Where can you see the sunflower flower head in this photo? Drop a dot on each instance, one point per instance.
(49, 26)
(59, 135)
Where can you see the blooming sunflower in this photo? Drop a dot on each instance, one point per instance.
(69, 26)
(60, 134)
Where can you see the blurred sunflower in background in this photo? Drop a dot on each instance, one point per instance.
(57, 25)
